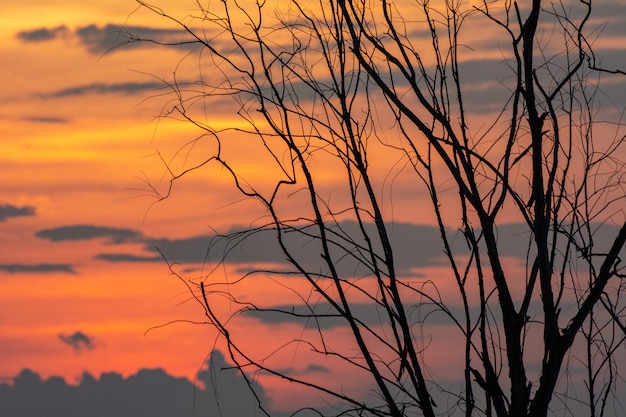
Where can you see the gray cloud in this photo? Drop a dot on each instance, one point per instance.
(37, 268)
(610, 59)
(102, 39)
(316, 368)
(79, 341)
(313, 368)
(87, 232)
(240, 249)
(149, 392)
(102, 88)
(324, 316)
(42, 34)
(9, 210)
(414, 246)
(125, 257)
(43, 119)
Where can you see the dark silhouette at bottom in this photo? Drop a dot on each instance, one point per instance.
(149, 393)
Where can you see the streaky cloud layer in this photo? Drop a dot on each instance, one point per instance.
(39, 268)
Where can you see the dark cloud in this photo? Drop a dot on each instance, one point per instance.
(198, 249)
(42, 34)
(414, 246)
(9, 210)
(125, 257)
(102, 88)
(317, 368)
(87, 232)
(150, 392)
(99, 40)
(102, 39)
(37, 268)
(79, 341)
(313, 368)
(323, 316)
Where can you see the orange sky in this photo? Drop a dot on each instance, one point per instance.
(78, 141)
(73, 157)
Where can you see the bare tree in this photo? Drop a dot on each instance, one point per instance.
(492, 119)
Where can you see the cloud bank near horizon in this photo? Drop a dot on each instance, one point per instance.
(148, 393)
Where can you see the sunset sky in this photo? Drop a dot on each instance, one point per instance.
(81, 147)
(80, 280)
(77, 141)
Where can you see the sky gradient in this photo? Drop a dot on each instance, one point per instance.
(82, 163)
(76, 143)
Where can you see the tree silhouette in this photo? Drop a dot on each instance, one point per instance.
(391, 95)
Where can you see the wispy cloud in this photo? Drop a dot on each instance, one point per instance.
(43, 34)
(37, 268)
(125, 257)
(9, 210)
(103, 39)
(42, 119)
(88, 232)
(313, 368)
(103, 88)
